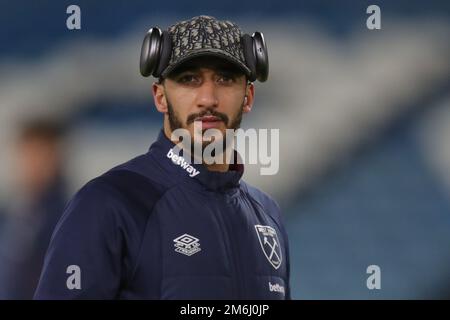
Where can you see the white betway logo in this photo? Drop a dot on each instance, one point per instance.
(180, 161)
(276, 287)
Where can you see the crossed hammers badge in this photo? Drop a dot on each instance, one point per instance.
(270, 244)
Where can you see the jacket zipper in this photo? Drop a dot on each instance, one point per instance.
(231, 247)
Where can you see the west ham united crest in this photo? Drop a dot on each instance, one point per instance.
(270, 244)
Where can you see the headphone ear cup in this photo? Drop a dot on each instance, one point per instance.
(261, 57)
(249, 55)
(150, 51)
(165, 53)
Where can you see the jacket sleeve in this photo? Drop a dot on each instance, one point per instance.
(288, 268)
(287, 250)
(280, 218)
(83, 260)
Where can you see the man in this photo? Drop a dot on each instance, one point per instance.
(161, 226)
(35, 208)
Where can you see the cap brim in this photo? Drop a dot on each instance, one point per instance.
(206, 52)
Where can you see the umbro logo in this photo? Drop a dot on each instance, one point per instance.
(187, 245)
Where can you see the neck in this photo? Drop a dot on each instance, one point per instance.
(219, 167)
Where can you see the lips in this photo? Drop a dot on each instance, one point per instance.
(209, 121)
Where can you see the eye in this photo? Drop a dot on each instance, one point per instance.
(226, 78)
(188, 78)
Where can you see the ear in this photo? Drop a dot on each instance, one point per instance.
(159, 97)
(249, 98)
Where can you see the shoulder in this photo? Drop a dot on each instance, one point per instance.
(138, 177)
(94, 204)
(122, 192)
(269, 204)
(145, 166)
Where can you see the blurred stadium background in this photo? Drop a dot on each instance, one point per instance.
(364, 119)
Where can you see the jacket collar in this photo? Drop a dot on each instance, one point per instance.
(163, 151)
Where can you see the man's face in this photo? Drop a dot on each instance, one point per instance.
(204, 91)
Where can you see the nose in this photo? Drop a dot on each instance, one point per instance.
(207, 95)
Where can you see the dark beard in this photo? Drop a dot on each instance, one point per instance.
(175, 123)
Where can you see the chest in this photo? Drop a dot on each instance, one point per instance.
(212, 246)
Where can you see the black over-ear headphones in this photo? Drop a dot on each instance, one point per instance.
(157, 48)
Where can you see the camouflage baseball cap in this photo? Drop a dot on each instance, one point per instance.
(205, 36)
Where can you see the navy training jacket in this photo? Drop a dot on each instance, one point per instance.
(157, 227)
